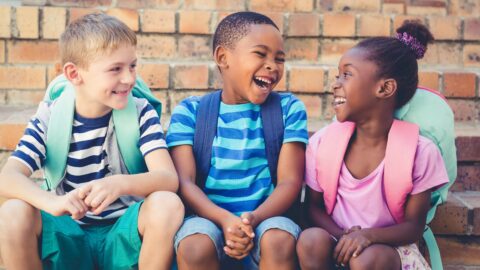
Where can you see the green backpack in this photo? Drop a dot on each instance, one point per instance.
(60, 129)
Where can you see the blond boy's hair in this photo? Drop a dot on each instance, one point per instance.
(91, 35)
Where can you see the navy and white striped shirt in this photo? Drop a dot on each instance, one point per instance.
(87, 158)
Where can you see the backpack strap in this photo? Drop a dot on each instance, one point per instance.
(58, 137)
(273, 129)
(206, 129)
(398, 182)
(330, 154)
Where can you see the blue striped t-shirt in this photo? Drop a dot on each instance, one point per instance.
(239, 178)
(87, 158)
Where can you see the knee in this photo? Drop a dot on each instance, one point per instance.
(314, 244)
(363, 262)
(17, 217)
(278, 244)
(164, 206)
(197, 249)
(376, 257)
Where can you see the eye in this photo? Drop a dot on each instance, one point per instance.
(280, 60)
(261, 54)
(115, 69)
(133, 66)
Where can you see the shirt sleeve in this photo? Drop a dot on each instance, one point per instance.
(311, 162)
(429, 169)
(31, 148)
(182, 124)
(295, 118)
(151, 132)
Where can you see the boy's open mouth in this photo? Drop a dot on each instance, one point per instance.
(263, 82)
(120, 92)
(337, 101)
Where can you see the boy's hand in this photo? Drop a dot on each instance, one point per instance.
(350, 245)
(68, 204)
(238, 243)
(248, 219)
(99, 194)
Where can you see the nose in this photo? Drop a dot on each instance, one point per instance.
(129, 76)
(335, 84)
(271, 65)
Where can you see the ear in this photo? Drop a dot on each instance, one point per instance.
(387, 89)
(71, 72)
(220, 56)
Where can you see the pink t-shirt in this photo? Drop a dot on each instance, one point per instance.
(362, 201)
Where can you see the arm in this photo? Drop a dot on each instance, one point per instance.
(291, 166)
(318, 215)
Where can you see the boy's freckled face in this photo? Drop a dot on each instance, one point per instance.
(107, 81)
(354, 89)
(255, 66)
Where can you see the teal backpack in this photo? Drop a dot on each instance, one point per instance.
(430, 111)
(60, 129)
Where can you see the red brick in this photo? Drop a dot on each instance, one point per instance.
(301, 24)
(460, 251)
(162, 95)
(5, 18)
(76, 13)
(139, 4)
(371, 25)
(175, 97)
(338, 25)
(328, 112)
(215, 4)
(84, 3)
(429, 79)
(468, 149)
(355, 5)
(306, 79)
(468, 176)
(324, 5)
(304, 5)
(445, 27)
(459, 84)
(302, 49)
(313, 105)
(472, 29)
(195, 22)
(10, 135)
(282, 84)
(54, 22)
(25, 97)
(332, 51)
(444, 54)
(156, 46)
(191, 77)
(27, 22)
(399, 19)
(22, 77)
(158, 21)
(332, 73)
(393, 8)
(465, 110)
(426, 10)
(127, 16)
(2, 51)
(471, 55)
(54, 71)
(194, 47)
(277, 18)
(155, 75)
(216, 81)
(463, 8)
(451, 218)
(272, 5)
(45, 52)
(473, 200)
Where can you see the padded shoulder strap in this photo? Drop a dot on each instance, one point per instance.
(399, 158)
(273, 128)
(205, 131)
(331, 152)
(127, 133)
(59, 134)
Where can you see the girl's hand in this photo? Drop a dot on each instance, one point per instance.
(99, 194)
(350, 245)
(68, 204)
(352, 229)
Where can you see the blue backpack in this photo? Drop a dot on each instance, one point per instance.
(60, 129)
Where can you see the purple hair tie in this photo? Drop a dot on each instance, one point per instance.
(413, 44)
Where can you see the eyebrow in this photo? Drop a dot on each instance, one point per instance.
(122, 63)
(268, 49)
(349, 65)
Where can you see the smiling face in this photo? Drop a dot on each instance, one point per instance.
(106, 83)
(356, 87)
(253, 68)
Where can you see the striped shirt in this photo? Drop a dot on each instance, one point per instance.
(239, 178)
(88, 158)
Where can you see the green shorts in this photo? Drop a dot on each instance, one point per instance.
(67, 245)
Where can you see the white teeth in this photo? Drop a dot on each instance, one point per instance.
(263, 80)
(339, 100)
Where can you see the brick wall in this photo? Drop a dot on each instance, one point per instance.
(174, 44)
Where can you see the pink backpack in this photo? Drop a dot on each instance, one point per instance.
(399, 158)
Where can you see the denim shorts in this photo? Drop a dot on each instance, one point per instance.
(198, 225)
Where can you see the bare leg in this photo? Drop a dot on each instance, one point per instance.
(377, 257)
(315, 249)
(197, 252)
(161, 214)
(20, 228)
(277, 249)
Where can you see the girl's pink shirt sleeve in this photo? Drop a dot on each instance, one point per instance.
(310, 161)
